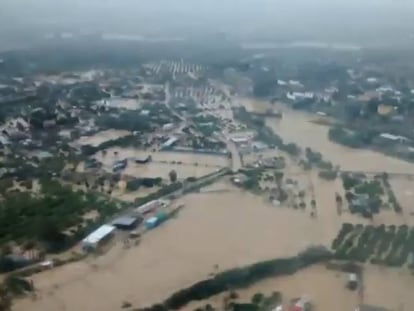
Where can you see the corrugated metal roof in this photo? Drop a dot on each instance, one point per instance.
(99, 234)
(124, 221)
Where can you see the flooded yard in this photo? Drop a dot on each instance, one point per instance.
(100, 137)
(314, 283)
(326, 289)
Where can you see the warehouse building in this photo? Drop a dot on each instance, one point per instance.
(126, 222)
(97, 237)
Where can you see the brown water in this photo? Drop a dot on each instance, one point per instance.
(191, 165)
(295, 126)
(229, 229)
(325, 289)
(100, 137)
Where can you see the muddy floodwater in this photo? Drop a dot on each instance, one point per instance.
(223, 227)
(329, 294)
(185, 164)
(296, 126)
(228, 229)
(100, 137)
(218, 229)
(326, 289)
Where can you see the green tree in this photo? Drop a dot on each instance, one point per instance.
(173, 176)
(257, 298)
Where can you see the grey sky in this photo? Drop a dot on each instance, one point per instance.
(234, 16)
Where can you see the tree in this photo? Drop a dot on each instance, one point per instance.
(5, 299)
(257, 298)
(173, 176)
(279, 178)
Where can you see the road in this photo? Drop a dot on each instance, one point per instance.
(236, 162)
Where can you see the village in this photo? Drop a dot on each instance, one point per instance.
(137, 183)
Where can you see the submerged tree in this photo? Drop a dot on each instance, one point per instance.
(173, 176)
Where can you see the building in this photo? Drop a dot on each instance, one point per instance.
(168, 127)
(97, 237)
(241, 137)
(394, 138)
(126, 222)
(148, 207)
(370, 308)
(119, 165)
(143, 160)
(169, 143)
(300, 95)
(352, 281)
(151, 222)
(385, 110)
(156, 220)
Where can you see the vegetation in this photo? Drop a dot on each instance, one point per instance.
(340, 135)
(173, 176)
(328, 175)
(48, 217)
(242, 277)
(125, 141)
(383, 245)
(315, 158)
(365, 196)
(391, 196)
(135, 184)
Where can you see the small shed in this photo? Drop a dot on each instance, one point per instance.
(97, 237)
(151, 222)
(126, 222)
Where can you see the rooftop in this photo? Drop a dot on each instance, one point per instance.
(124, 221)
(99, 234)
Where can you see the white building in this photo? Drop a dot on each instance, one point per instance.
(171, 141)
(148, 207)
(372, 80)
(299, 95)
(295, 83)
(396, 138)
(101, 234)
(168, 127)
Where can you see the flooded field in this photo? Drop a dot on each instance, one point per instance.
(403, 188)
(326, 289)
(185, 164)
(100, 137)
(162, 170)
(181, 252)
(114, 154)
(199, 242)
(295, 126)
(314, 283)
